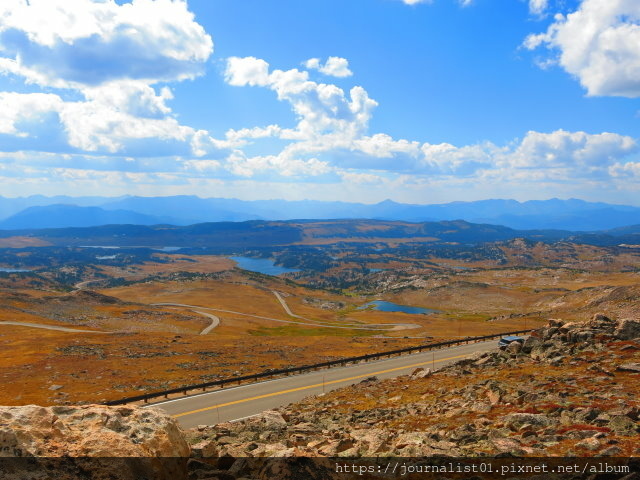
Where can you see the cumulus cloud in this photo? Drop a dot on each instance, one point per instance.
(333, 128)
(334, 66)
(575, 149)
(71, 43)
(110, 56)
(538, 7)
(19, 109)
(599, 43)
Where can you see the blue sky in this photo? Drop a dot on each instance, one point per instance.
(359, 100)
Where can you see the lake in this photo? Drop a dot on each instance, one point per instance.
(383, 306)
(14, 270)
(261, 265)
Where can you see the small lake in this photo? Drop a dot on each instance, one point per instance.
(13, 270)
(261, 265)
(383, 306)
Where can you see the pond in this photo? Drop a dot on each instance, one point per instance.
(261, 265)
(383, 306)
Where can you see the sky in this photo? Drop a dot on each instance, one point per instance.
(418, 101)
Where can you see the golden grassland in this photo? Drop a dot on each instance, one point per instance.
(22, 242)
(149, 348)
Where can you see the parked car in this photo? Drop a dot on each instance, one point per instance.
(504, 341)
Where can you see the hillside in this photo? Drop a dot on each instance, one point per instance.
(569, 391)
(567, 397)
(261, 233)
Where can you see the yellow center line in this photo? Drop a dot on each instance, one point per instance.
(298, 389)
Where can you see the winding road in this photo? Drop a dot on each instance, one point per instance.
(49, 327)
(215, 321)
(300, 320)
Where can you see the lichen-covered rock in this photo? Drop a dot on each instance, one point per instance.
(124, 442)
(627, 329)
(519, 419)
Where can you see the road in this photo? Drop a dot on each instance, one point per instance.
(304, 321)
(235, 403)
(215, 321)
(49, 327)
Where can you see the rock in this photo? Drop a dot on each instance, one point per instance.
(143, 436)
(53, 388)
(629, 367)
(204, 449)
(514, 347)
(494, 397)
(421, 373)
(627, 329)
(622, 425)
(530, 343)
(369, 381)
(590, 443)
(610, 452)
(271, 419)
(600, 319)
(373, 440)
(518, 419)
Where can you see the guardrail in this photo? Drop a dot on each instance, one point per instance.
(289, 371)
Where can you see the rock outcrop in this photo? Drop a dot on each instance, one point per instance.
(569, 390)
(117, 442)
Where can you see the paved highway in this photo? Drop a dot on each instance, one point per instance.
(235, 403)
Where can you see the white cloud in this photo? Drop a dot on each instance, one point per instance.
(110, 57)
(574, 149)
(334, 66)
(247, 71)
(538, 7)
(18, 108)
(599, 43)
(332, 127)
(72, 43)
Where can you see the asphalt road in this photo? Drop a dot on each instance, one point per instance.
(235, 403)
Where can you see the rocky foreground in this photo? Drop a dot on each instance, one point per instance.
(571, 390)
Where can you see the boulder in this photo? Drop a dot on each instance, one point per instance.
(421, 373)
(514, 347)
(519, 419)
(627, 329)
(530, 343)
(112, 442)
(629, 367)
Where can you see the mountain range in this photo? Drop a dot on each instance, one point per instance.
(63, 211)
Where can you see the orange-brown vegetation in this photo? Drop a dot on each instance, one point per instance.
(22, 242)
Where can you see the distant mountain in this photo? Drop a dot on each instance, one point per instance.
(61, 216)
(257, 233)
(572, 214)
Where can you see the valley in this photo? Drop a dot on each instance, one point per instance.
(122, 320)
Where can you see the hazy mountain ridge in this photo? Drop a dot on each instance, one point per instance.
(64, 216)
(258, 233)
(571, 214)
